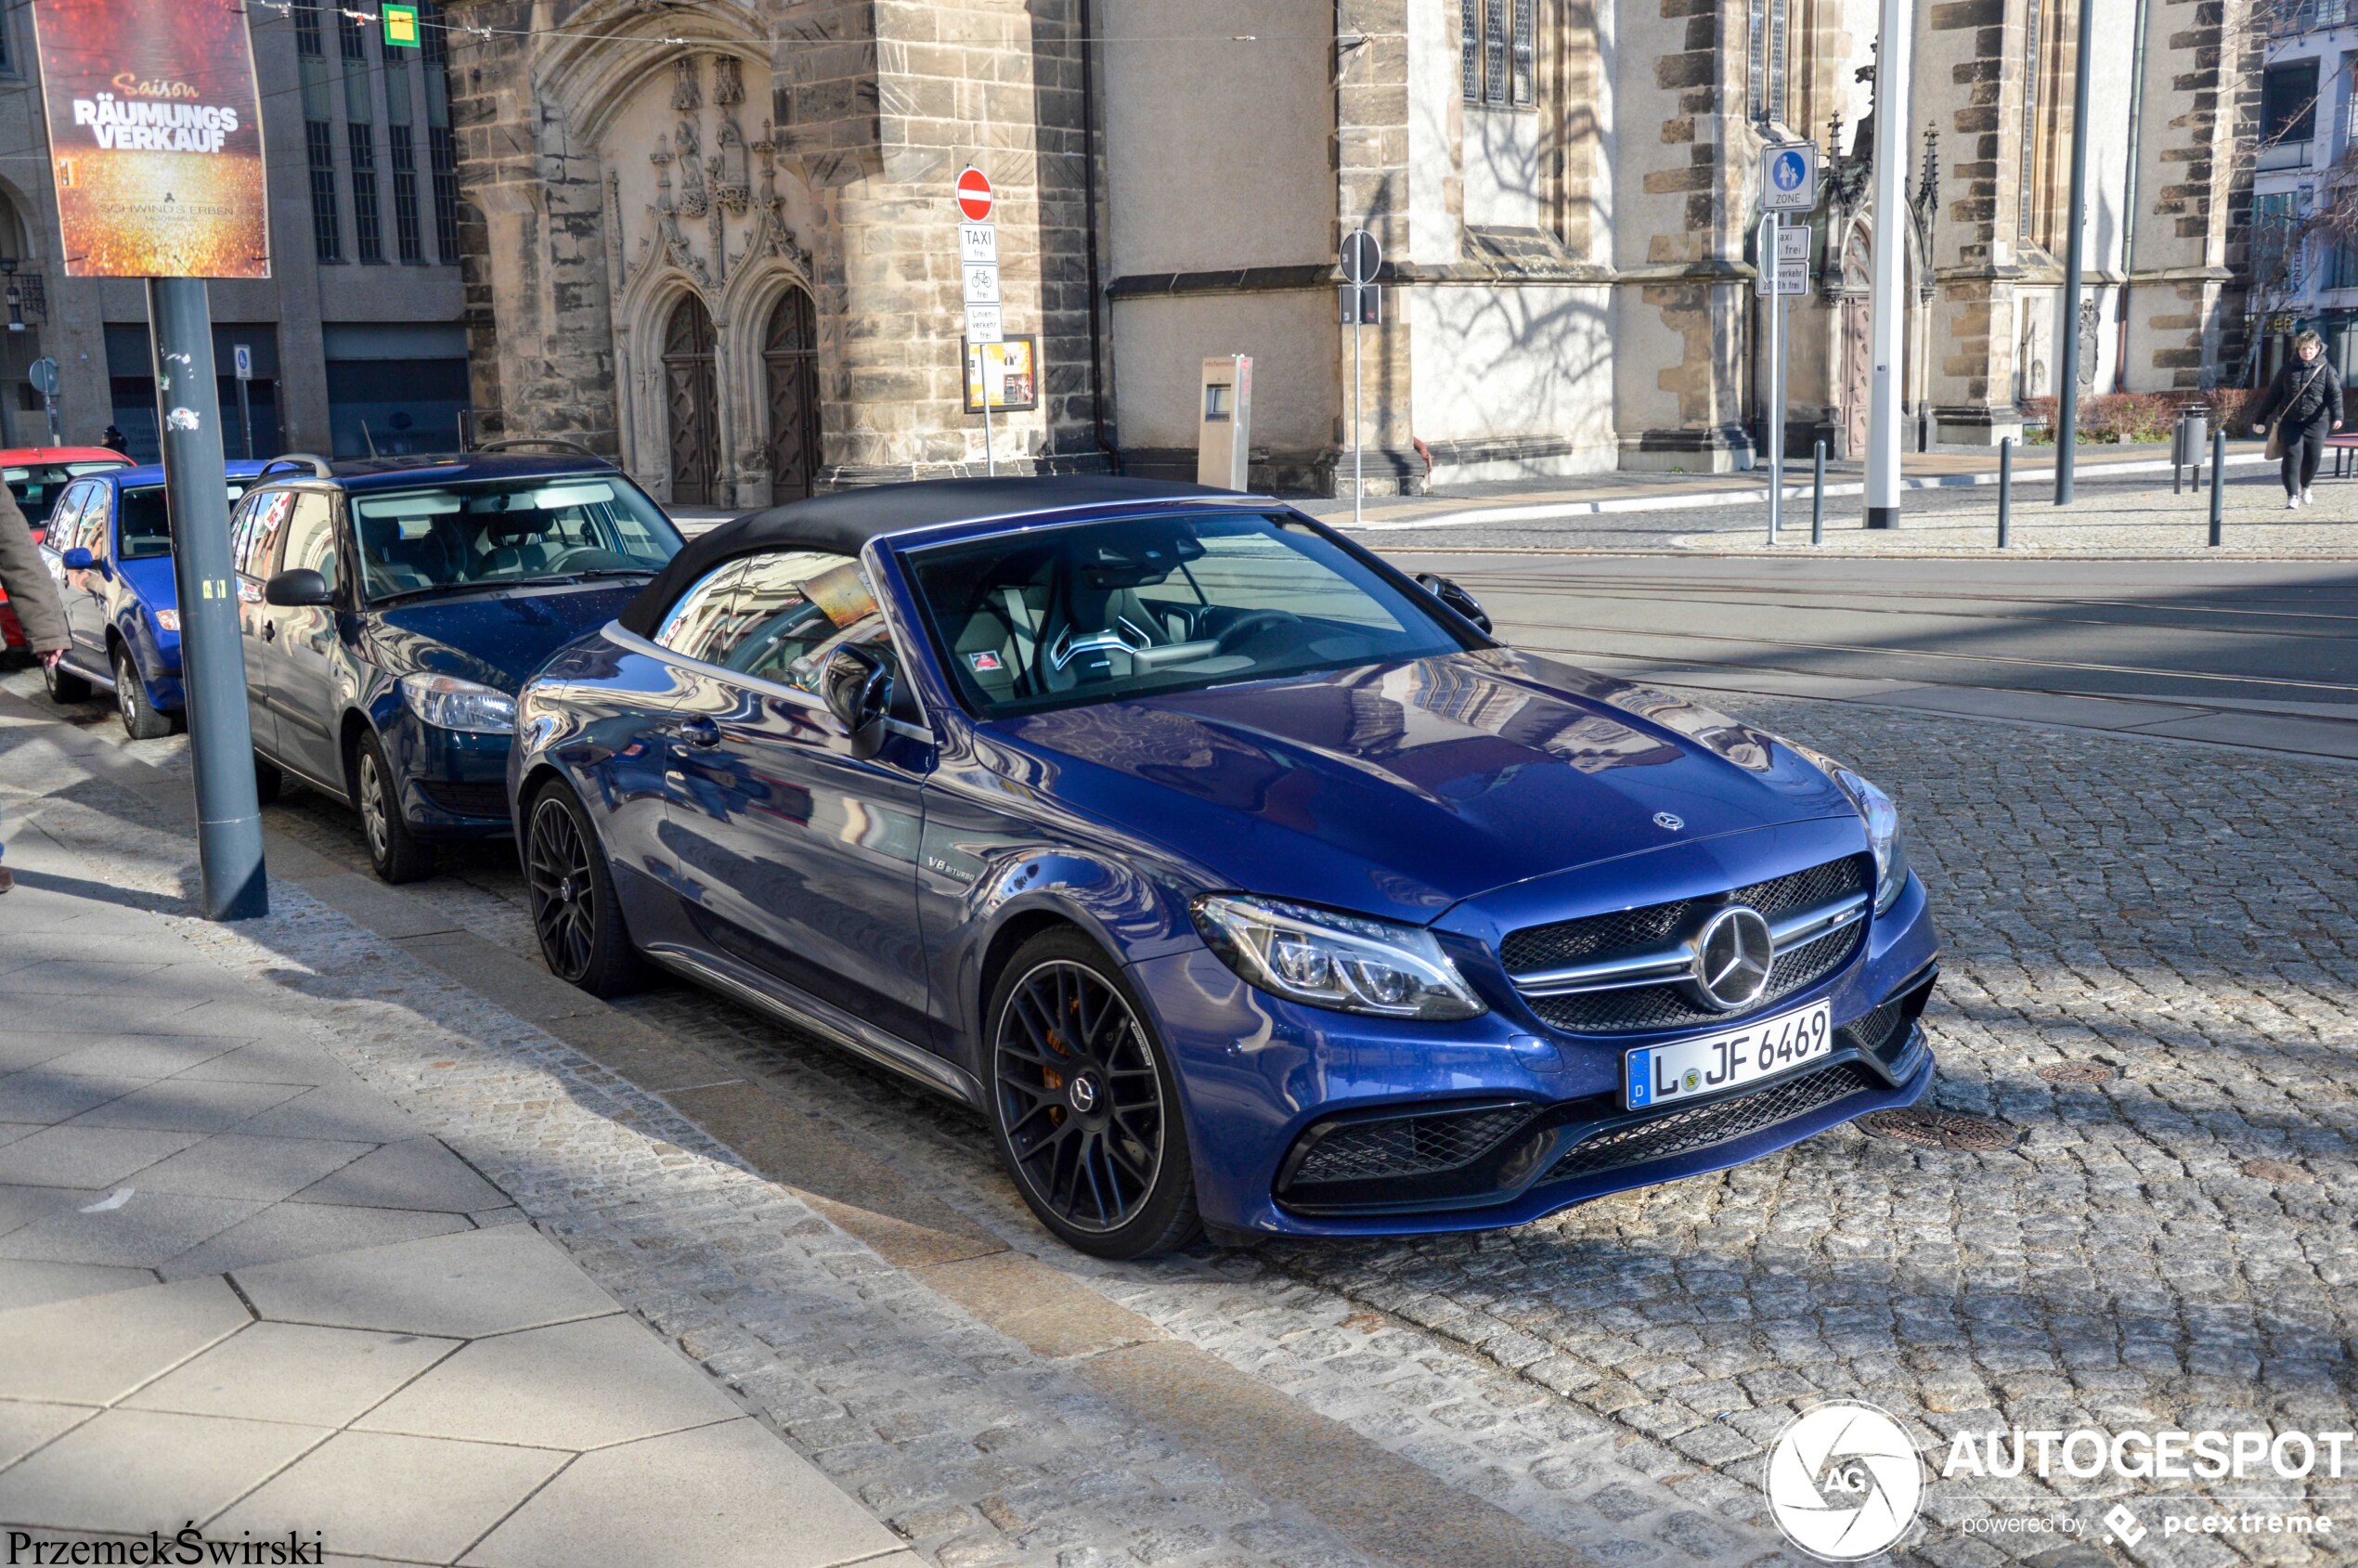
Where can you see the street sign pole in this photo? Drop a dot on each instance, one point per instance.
(1772, 262)
(44, 381)
(245, 402)
(211, 664)
(2068, 405)
(978, 261)
(1886, 304)
(1788, 184)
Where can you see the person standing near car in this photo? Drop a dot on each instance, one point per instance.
(32, 593)
(115, 440)
(2304, 402)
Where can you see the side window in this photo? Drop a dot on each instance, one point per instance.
(700, 622)
(90, 528)
(265, 516)
(790, 604)
(61, 517)
(311, 536)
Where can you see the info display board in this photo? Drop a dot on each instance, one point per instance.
(155, 135)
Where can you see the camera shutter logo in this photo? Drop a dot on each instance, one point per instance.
(1843, 1481)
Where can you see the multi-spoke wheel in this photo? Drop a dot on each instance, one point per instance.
(580, 926)
(1085, 1105)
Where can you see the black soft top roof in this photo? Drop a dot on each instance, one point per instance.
(845, 520)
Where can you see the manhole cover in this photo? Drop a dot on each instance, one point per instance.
(1939, 1129)
(2276, 1171)
(2076, 1072)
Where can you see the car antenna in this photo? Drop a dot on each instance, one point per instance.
(368, 435)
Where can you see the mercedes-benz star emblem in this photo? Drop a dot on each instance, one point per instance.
(1669, 821)
(1084, 1094)
(1733, 952)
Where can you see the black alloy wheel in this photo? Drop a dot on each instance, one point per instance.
(574, 909)
(1085, 1106)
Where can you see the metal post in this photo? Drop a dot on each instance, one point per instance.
(2218, 481)
(245, 417)
(1776, 380)
(211, 664)
(2067, 407)
(2006, 493)
(49, 402)
(982, 364)
(1817, 494)
(1888, 301)
(1358, 466)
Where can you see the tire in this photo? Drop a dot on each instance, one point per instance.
(270, 782)
(141, 719)
(397, 854)
(1087, 1114)
(64, 685)
(575, 911)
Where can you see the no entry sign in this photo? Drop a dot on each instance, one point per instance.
(973, 194)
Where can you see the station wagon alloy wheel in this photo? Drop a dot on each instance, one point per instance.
(1079, 1099)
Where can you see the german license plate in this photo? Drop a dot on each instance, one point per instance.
(1655, 1075)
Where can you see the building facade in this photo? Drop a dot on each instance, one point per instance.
(355, 339)
(2303, 265)
(719, 241)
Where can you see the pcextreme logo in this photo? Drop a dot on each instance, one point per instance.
(1843, 1481)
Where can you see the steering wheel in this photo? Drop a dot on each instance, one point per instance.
(864, 696)
(1253, 624)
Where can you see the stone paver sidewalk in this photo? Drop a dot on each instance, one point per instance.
(242, 1292)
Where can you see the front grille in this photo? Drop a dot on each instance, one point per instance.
(1706, 1126)
(467, 799)
(1667, 1006)
(1406, 1145)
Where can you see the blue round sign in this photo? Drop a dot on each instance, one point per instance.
(1789, 171)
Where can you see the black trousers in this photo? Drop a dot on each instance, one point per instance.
(2305, 448)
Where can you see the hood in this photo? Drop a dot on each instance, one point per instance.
(1398, 790)
(496, 640)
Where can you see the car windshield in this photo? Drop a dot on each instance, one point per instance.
(145, 531)
(508, 531)
(1054, 618)
(35, 485)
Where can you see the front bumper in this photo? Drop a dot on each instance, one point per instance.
(1264, 1081)
(454, 784)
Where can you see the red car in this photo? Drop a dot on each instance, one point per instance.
(36, 476)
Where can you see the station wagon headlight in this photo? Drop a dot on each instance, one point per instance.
(1329, 959)
(1881, 817)
(447, 702)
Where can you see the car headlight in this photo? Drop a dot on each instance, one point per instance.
(447, 702)
(1881, 817)
(1329, 959)
(168, 619)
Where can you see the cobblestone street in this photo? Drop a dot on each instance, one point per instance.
(2167, 1242)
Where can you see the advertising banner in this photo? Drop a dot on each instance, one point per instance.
(155, 133)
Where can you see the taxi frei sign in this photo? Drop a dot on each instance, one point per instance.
(155, 138)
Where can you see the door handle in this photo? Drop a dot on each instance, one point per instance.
(700, 733)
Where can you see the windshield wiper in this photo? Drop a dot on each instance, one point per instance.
(396, 597)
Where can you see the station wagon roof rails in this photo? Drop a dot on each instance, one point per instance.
(556, 443)
(319, 466)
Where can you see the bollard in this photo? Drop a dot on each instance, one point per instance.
(2006, 493)
(2218, 481)
(1818, 496)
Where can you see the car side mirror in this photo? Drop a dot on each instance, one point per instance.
(859, 687)
(77, 560)
(1457, 598)
(300, 587)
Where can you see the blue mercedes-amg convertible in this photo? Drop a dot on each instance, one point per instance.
(1239, 880)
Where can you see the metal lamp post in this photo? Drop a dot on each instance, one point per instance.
(2068, 404)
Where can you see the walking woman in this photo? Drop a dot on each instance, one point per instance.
(2304, 402)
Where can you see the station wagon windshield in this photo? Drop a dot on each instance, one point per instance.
(1102, 610)
(145, 530)
(506, 532)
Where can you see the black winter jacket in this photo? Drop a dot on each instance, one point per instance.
(2297, 402)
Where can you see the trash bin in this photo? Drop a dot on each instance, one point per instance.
(2191, 443)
